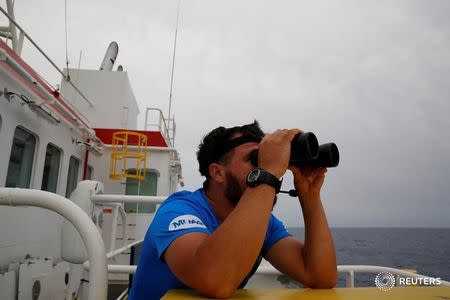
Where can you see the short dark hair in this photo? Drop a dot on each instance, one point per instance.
(211, 148)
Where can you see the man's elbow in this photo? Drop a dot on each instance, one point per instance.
(216, 288)
(326, 281)
(321, 281)
(216, 293)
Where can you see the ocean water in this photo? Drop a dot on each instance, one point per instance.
(426, 250)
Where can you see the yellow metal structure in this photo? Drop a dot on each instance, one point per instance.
(128, 155)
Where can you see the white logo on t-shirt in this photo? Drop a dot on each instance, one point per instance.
(186, 221)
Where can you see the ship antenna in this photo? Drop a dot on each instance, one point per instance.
(67, 51)
(173, 63)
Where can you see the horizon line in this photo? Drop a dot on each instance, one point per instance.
(363, 226)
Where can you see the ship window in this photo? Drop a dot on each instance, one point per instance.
(72, 175)
(51, 169)
(147, 187)
(89, 173)
(21, 159)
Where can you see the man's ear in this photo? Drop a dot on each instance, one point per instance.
(217, 172)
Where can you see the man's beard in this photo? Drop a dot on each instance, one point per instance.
(234, 192)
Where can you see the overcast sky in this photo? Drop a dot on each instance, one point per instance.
(371, 76)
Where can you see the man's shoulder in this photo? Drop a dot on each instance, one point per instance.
(180, 199)
(181, 210)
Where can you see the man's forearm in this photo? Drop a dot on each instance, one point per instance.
(319, 253)
(230, 252)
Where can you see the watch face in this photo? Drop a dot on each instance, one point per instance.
(253, 175)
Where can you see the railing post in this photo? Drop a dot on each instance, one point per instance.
(350, 279)
(146, 118)
(112, 245)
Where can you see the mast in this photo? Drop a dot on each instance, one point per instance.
(173, 70)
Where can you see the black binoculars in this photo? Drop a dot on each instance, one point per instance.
(306, 152)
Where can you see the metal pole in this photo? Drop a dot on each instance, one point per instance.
(146, 118)
(12, 26)
(127, 199)
(173, 60)
(114, 253)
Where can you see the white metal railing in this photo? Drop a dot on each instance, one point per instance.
(149, 148)
(350, 271)
(12, 20)
(163, 125)
(117, 209)
(116, 202)
(268, 269)
(42, 105)
(80, 122)
(123, 295)
(64, 106)
(120, 269)
(100, 199)
(98, 281)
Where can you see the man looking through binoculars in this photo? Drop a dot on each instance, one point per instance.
(212, 240)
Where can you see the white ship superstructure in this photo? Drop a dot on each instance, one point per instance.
(53, 139)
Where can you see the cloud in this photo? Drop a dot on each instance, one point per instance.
(371, 76)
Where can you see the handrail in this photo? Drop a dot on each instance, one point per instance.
(351, 269)
(268, 269)
(115, 253)
(149, 148)
(162, 126)
(127, 199)
(79, 122)
(98, 281)
(117, 208)
(66, 77)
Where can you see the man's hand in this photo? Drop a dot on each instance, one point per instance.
(308, 181)
(275, 150)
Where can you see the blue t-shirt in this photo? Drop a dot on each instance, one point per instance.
(181, 213)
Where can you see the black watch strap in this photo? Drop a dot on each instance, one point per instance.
(260, 176)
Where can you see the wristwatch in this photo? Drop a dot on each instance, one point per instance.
(260, 176)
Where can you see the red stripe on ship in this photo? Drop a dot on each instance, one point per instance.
(154, 138)
(38, 79)
(34, 90)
